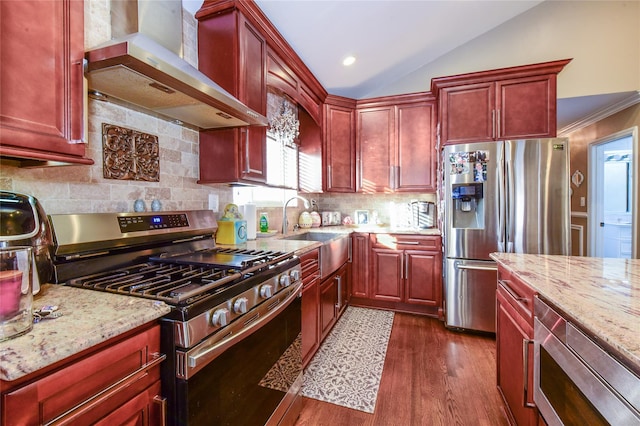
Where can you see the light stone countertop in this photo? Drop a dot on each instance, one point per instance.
(88, 318)
(600, 295)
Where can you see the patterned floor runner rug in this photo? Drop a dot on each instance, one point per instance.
(347, 368)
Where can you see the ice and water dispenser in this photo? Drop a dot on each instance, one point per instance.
(468, 205)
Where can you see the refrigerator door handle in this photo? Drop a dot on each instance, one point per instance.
(478, 268)
(501, 206)
(509, 196)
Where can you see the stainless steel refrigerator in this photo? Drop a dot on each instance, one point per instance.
(509, 196)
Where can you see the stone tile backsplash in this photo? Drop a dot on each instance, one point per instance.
(391, 209)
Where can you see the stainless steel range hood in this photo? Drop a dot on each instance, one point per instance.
(142, 67)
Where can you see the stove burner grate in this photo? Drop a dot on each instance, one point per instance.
(171, 283)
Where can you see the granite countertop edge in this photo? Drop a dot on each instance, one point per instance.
(599, 295)
(88, 318)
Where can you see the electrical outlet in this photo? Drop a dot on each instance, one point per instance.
(582, 202)
(213, 202)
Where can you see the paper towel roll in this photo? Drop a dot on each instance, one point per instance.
(249, 212)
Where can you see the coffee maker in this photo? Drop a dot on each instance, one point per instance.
(423, 214)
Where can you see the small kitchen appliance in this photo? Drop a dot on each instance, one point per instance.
(235, 317)
(16, 296)
(423, 214)
(23, 222)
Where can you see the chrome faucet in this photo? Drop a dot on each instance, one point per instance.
(284, 211)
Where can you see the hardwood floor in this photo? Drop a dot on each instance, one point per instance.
(431, 376)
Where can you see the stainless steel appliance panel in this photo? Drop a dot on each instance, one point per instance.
(576, 381)
(477, 242)
(240, 382)
(509, 196)
(470, 294)
(537, 196)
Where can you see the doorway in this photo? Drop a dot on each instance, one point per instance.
(613, 196)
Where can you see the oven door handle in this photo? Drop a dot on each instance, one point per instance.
(214, 346)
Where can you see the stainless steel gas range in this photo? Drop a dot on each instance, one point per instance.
(232, 338)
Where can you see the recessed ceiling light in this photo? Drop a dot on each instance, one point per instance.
(349, 60)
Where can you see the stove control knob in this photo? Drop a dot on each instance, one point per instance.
(295, 274)
(220, 317)
(285, 280)
(266, 291)
(240, 305)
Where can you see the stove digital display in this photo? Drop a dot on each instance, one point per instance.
(150, 223)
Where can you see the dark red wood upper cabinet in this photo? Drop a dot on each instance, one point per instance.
(233, 53)
(42, 101)
(507, 103)
(396, 144)
(416, 156)
(527, 107)
(339, 145)
(376, 149)
(467, 113)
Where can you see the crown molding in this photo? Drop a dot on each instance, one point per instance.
(625, 103)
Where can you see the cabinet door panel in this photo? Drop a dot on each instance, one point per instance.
(140, 410)
(310, 320)
(527, 107)
(387, 274)
(375, 146)
(342, 289)
(360, 266)
(41, 106)
(234, 54)
(467, 113)
(340, 149)
(423, 272)
(328, 301)
(416, 155)
(512, 340)
(253, 92)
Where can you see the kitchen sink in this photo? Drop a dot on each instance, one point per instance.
(334, 251)
(315, 236)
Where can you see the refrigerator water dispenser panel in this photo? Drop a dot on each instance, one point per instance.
(468, 211)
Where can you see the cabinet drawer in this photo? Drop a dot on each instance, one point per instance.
(310, 265)
(517, 294)
(407, 242)
(54, 394)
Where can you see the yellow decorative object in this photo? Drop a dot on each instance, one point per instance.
(232, 229)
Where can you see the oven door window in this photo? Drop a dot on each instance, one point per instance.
(569, 403)
(245, 384)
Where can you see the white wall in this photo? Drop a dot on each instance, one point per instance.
(602, 37)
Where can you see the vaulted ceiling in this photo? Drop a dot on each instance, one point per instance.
(393, 40)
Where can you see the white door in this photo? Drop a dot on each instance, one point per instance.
(613, 195)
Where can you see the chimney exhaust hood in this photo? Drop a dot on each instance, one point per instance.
(142, 68)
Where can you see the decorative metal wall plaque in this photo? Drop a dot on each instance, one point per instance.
(129, 155)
